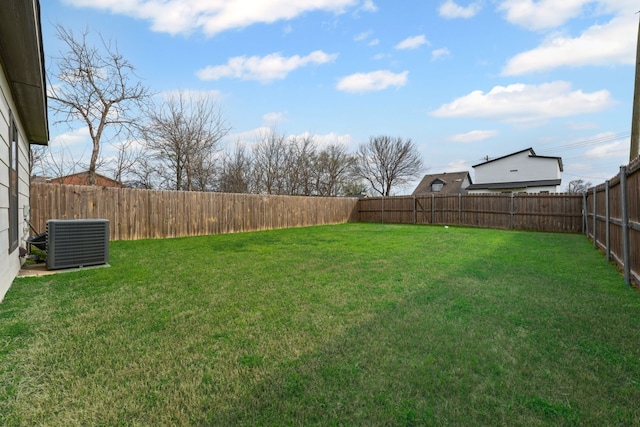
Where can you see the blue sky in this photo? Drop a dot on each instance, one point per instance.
(462, 79)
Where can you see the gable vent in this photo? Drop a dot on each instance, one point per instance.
(77, 243)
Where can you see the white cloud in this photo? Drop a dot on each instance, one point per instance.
(613, 149)
(366, 35)
(521, 103)
(368, 6)
(578, 167)
(440, 53)
(264, 69)
(373, 81)
(363, 36)
(213, 17)
(581, 125)
(74, 138)
(612, 43)
(450, 10)
(334, 138)
(66, 153)
(325, 140)
(543, 14)
(274, 118)
(250, 137)
(473, 136)
(412, 42)
(457, 166)
(129, 144)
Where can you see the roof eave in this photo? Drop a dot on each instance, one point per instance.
(22, 59)
(515, 184)
(530, 149)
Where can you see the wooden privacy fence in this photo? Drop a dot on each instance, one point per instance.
(148, 214)
(613, 219)
(541, 212)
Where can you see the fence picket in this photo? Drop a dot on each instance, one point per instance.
(148, 214)
(542, 212)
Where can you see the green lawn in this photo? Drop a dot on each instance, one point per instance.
(354, 324)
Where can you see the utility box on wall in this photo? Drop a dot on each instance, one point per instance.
(77, 243)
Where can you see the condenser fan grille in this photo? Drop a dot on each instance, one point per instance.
(77, 243)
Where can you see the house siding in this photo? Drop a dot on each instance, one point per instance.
(527, 169)
(522, 167)
(10, 262)
(465, 183)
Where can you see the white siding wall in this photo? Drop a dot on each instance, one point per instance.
(465, 183)
(519, 167)
(10, 263)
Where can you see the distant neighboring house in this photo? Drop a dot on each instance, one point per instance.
(23, 121)
(82, 178)
(520, 172)
(443, 183)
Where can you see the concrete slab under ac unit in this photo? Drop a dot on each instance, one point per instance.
(40, 269)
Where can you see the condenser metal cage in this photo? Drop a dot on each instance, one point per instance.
(77, 243)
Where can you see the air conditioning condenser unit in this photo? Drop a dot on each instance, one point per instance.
(77, 243)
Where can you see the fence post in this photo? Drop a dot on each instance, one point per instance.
(625, 224)
(433, 207)
(459, 209)
(595, 217)
(607, 221)
(585, 217)
(415, 208)
(511, 213)
(382, 213)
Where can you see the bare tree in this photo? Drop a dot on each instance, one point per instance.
(299, 166)
(127, 158)
(53, 164)
(184, 133)
(295, 165)
(284, 165)
(235, 176)
(269, 161)
(578, 186)
(204, 171)
(331, 168)
(386, 162)
(355, 187)
(144, 175)
(37, 154)
(97, 87)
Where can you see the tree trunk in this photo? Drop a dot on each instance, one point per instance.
(93, 162)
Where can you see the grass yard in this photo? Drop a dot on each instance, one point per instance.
(354, 324)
